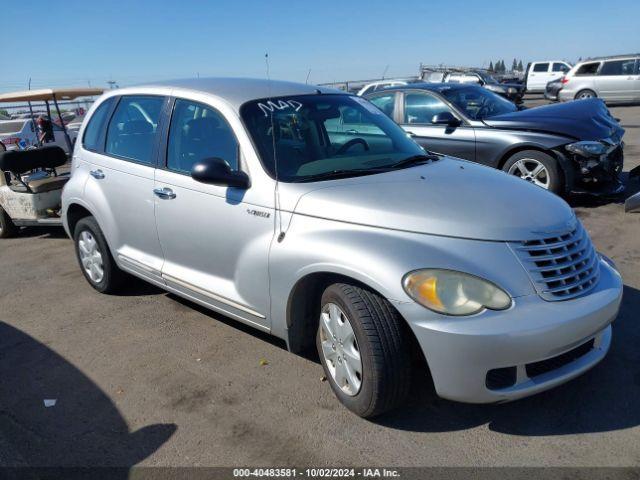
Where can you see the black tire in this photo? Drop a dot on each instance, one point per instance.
(7, 228)
(384, 349)
(113, 278)
(555, 178)
(586, 93)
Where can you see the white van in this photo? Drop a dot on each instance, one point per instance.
(538, 74)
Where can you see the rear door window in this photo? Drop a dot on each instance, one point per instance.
(541, 67)
(618, 67)
(386, 103)
(133, 129)
(560, 67)
(588, 69)
(422, 107)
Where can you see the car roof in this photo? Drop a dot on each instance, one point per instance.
(237, 91)
(612, 57)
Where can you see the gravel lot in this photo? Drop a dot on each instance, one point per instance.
(147, 378)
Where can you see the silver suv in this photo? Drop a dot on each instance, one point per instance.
(307, 213)
(614, 79)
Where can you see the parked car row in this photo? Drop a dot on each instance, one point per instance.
(614, 79)
(308, 213)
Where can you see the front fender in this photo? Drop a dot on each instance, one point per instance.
(379, 258)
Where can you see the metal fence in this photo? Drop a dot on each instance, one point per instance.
(77, 108)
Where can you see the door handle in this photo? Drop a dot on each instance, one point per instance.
(97, 174)
(164, 193)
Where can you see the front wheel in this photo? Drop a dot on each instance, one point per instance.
(364, 350)
(536, 167)
(7, 228)
(94, 257)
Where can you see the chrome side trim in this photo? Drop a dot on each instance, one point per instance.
(137, 264)
(212, 295)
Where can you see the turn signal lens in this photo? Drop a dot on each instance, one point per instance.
(454, 293)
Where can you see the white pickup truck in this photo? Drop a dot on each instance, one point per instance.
(538, 74)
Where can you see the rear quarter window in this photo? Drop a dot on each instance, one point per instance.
(92, 134)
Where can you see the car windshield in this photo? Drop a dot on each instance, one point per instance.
(489, 79)
(478, 103)
(11, 127)
(323, 136)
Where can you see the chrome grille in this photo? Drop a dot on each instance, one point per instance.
(561, 267)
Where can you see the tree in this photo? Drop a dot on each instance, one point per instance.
(520, 67)
(491, 66)
(514, 65)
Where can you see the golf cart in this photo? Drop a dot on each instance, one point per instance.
(31, 179)
(29, 137)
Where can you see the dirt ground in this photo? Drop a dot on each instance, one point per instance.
(147, 378)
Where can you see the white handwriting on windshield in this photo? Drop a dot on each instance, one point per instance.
(271, 106)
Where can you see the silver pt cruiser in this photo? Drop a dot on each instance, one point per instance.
(307, 213)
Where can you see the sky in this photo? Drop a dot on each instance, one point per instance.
(77, 43)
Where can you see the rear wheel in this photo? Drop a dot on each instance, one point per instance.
(364, 349)
(583, 94)
(7, 228)
(536, 167)
(95, 258)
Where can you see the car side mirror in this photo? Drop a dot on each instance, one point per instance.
(215, 171)
(445, 118)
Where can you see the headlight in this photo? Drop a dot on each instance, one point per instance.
(512, 91)
(587, 148)
(454, 293)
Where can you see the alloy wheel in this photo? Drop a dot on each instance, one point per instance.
(532, 171)
(340, 349)
(90, 256)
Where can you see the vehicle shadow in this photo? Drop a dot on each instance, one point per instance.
(218, 317)
(607, 398)
(83, 429)
(136, 287)
(42, 232)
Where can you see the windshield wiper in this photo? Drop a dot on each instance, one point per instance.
(356, 172)
(335, 174)
(415, 160)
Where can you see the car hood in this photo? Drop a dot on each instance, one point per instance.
(448, 197)
(583, 120)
